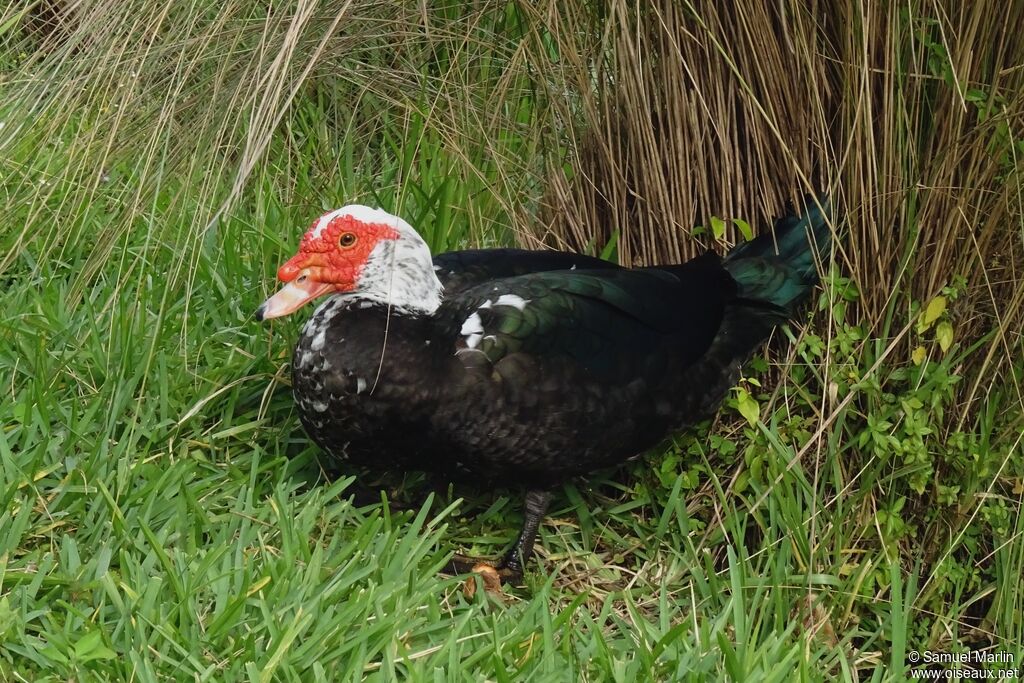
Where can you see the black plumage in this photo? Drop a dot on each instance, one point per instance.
(542, 366)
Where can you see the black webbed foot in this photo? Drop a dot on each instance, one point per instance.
(510, 569)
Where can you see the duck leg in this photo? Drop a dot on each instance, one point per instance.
(510, 568)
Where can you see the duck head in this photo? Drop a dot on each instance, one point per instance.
(360, 253)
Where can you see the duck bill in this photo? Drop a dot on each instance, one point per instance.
(291, 298)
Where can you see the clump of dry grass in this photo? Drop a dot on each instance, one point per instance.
(910, 116)
(196, 94)
(695, 113)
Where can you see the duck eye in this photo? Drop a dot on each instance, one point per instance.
(347, 239)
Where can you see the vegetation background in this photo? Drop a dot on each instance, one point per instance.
(162, 516)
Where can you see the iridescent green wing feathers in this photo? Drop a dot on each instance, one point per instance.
(606, 322)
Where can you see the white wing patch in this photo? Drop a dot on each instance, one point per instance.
(472, 330)
(472, 325)
(513, 300)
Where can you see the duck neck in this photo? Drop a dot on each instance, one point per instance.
(400, 274)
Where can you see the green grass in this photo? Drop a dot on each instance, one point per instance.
(164, 517)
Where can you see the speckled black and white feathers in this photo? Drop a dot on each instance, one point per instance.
(540, 366)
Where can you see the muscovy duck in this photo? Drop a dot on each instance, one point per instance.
(522, 368)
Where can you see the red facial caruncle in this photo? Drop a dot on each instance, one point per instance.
(331, 257)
